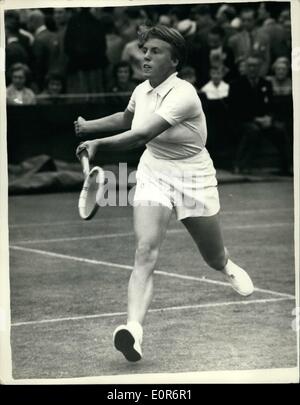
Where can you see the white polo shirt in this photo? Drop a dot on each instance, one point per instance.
(178, 103)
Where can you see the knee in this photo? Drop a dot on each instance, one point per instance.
(217, 261)
(146, 253)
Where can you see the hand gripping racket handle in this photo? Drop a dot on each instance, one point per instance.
(84, 160)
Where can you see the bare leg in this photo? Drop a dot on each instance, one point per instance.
(150, 224)
(207, 234)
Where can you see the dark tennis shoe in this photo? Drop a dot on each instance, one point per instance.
(128, 342)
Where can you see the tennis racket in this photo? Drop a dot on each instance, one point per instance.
(92, 189)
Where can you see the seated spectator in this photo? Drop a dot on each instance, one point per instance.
(217, 59)
(213, 96)
(283, 100)
(188, 73)
(123, 78)
(281, 81)
(216, 88)
(17, 93)
(54, 89)
(123, 83)
(250, 101)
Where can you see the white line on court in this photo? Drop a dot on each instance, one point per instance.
(123, 266)
(124, 234)
(174, 308)
(217, 282)
(73, 238)
(68, 257)
(96, 220)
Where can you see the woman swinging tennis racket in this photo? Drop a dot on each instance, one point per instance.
(175, 172)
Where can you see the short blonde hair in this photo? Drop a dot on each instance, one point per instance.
(169, 35)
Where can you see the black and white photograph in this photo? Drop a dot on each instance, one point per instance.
(149, 192)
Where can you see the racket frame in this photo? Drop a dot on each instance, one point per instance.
(84, 193)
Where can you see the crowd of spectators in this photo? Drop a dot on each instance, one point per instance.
(233, 50)
(83, 47)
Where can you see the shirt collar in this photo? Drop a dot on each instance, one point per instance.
(164, 87)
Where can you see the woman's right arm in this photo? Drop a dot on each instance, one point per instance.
(115, 122)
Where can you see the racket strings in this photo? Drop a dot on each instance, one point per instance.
(91, 193)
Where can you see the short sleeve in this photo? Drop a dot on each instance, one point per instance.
(131, 104)
(180, 104)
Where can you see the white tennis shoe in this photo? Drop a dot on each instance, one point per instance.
(128, 339)
(238, 278)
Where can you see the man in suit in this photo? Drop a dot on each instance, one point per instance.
(280, 39)
(17, 45)
(45, 48)
(250, 101)
(251, 39)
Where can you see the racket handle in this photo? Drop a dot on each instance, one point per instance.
(84, 160)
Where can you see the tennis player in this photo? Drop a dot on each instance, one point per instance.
(175, 172)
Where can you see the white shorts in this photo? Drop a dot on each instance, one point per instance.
(187, 185)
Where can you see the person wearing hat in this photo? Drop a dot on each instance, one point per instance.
(187, 27)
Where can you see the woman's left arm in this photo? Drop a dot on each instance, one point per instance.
(134, 138)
